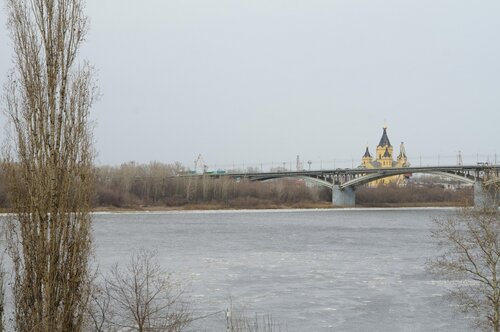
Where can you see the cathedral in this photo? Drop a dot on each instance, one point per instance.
(384, 159)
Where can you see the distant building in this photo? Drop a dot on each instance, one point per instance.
(384, 159)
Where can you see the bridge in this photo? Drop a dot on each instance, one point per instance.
(343, 182)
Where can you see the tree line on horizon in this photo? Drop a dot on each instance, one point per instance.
(157, 184)
(135, 185)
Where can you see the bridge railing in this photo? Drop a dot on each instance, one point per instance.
(346, 163)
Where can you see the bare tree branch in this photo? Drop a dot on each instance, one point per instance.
(470, 241)
(143, 297)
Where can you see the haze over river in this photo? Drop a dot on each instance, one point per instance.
(313, 270)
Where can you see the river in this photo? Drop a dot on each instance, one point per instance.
(312, 270)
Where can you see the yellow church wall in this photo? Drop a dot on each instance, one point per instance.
(385, 162)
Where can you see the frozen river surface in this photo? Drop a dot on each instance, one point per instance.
(327, 270)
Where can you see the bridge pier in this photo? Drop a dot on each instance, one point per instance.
(484, 197)
(343, 197)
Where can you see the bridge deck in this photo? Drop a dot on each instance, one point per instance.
(358, 171)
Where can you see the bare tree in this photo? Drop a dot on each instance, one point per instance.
(470, 260)
(99, 313)
(143, 297)
(47, 101)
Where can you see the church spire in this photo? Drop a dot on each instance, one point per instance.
(384, 140)
(367, 153)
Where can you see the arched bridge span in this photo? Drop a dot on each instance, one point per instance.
(345, 178)
(343, 182)
(464, 177)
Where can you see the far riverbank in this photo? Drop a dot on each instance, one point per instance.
(270, 206)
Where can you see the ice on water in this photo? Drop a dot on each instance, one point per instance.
(313, 270)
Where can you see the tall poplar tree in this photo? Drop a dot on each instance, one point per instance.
(47, 101)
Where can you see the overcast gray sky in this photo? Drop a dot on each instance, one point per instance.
(262, 81)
